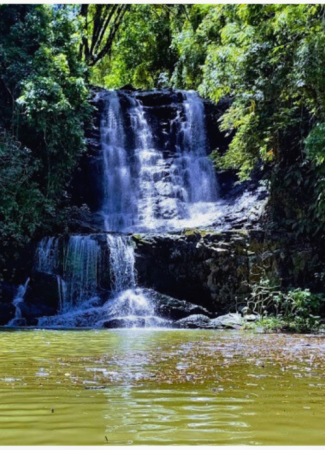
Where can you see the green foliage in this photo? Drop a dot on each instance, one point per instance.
(302, 308)
(43, 106)
(142, 49)
(270, 60)
(295, 309)
(22, 203)
(101, 23)
(315, 144)
(54, 98)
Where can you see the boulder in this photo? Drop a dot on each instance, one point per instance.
(252, 317)
(228, 321)
(43, 290)
(136, 322)
(232, 321)
(31, 312)
(194, 321)
(174, 309)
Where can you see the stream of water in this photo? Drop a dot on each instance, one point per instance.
(140, 387)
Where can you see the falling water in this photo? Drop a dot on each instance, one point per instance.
(145, 189)
(152, 173)
(78, 282)
(121, 263)
(80, 271)
(119, 208)
(47, 255)
(196, 170)
(129, 302)
(79, 285)
(19, 298)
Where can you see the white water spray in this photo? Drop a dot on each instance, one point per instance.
(19, 298)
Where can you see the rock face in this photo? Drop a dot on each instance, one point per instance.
(207, 269)
(214, 270)
(173, 309)
(41, 298)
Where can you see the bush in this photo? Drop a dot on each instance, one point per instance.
(297, 309)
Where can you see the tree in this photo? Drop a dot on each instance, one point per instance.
(43, 108)
(101, 23)
(270, 60)
(142, 53)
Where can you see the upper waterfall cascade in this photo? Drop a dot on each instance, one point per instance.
(145, 188)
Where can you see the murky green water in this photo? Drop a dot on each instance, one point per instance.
(160, 387)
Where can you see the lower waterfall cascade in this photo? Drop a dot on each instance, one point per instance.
(79, 289)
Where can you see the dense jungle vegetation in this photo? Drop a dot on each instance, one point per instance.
(268, 59)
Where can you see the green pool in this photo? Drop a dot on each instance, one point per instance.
(160, 387)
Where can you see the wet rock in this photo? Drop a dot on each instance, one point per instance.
(128, 87)
(121, 322)
(195, 321)
(43, 290)
(19, 323)
(31, 312)
(7, 313)
(7, 292)
(232, 321)
(7, 310)
(174, 309)
(136, 322)
(41, 298)
(252, 317)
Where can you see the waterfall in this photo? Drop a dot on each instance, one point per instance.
(78, 282)
(119, 207)
(145, 189)
(80, 271)
(196, 170)
(78, 287)
(47, 255)
(62, 290)
(129, 302)
(156, 189)
(121, 263)
(19, 298)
